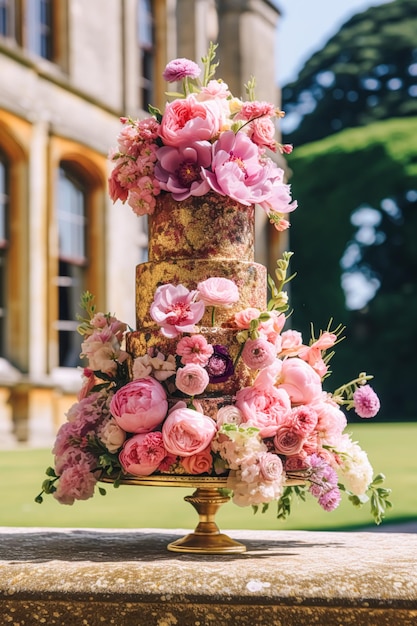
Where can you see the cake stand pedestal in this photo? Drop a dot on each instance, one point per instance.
(206, 500)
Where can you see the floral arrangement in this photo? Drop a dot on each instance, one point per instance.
(206, 140)
(146, 415)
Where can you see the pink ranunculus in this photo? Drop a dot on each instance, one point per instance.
(142, 454)
(187, 120)
(178, 169)
(264, 408)
(200, 463)
(178, 69)
(366, 402)
(139, 406)
(244, 318)
(301, 382)
(228, 414)
(216, 291)
(270, 466)
(287, 441)
(175, 310)
(186, 432)
(194, 349)
(258, 353)
(191, 379)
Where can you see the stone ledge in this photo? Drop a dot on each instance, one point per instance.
(68, 577)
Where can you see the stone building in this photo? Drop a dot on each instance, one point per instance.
(68, 70)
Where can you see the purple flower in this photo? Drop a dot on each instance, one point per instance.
(330, 500)
(220, 366)
(179, 170)
(366, 402)
(179, 69)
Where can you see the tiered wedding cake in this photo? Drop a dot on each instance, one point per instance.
(211, 383)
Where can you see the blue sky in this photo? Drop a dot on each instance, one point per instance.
(306, 25)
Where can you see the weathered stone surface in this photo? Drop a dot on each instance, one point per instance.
(94, 577)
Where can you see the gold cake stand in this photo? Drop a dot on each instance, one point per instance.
(206, 500)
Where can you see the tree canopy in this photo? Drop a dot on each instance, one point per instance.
(366, 72)
(357, 219)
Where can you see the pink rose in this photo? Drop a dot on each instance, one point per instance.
(265, 409)
(191, 379)
(175, 310)
(258, 353)
(142, 454)
(287, 441)
(139, 406)
(217, 291)
(262, 132)
(186, 432)
(244, 318)
(291, 342)
(228, 414)
(111, 435)
(270, 466)
(200, 463)
(301, 382)
(194, 349)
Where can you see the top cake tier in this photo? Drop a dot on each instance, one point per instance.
(206, 227)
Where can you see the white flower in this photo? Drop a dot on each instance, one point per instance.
(356, 469)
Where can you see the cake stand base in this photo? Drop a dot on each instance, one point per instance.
(207, 538)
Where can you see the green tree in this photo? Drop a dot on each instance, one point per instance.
(366, 72)
(357, 218)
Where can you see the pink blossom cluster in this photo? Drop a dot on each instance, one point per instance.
(206, 141)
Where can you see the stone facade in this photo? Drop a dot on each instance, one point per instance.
(61, 97)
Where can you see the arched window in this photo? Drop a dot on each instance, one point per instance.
(4, 244)
(146, 43)
(71, 218)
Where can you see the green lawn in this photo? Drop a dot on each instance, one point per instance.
(391, 449)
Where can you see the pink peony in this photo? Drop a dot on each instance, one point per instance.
(218, 291)
(175, 310)
(140, 405)
(366, 402)
(186, 432)
(191, 379)
(194, 349)
(186, 121)
(142, 454)
(200, 463)
(265, 409)
(301, 382)
(178, 69)
(258, 353)
(179, 169)
(236, 170)
(304, 419)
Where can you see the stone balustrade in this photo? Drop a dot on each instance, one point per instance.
(69, 577)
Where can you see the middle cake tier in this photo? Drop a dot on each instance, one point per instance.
(249, 277)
